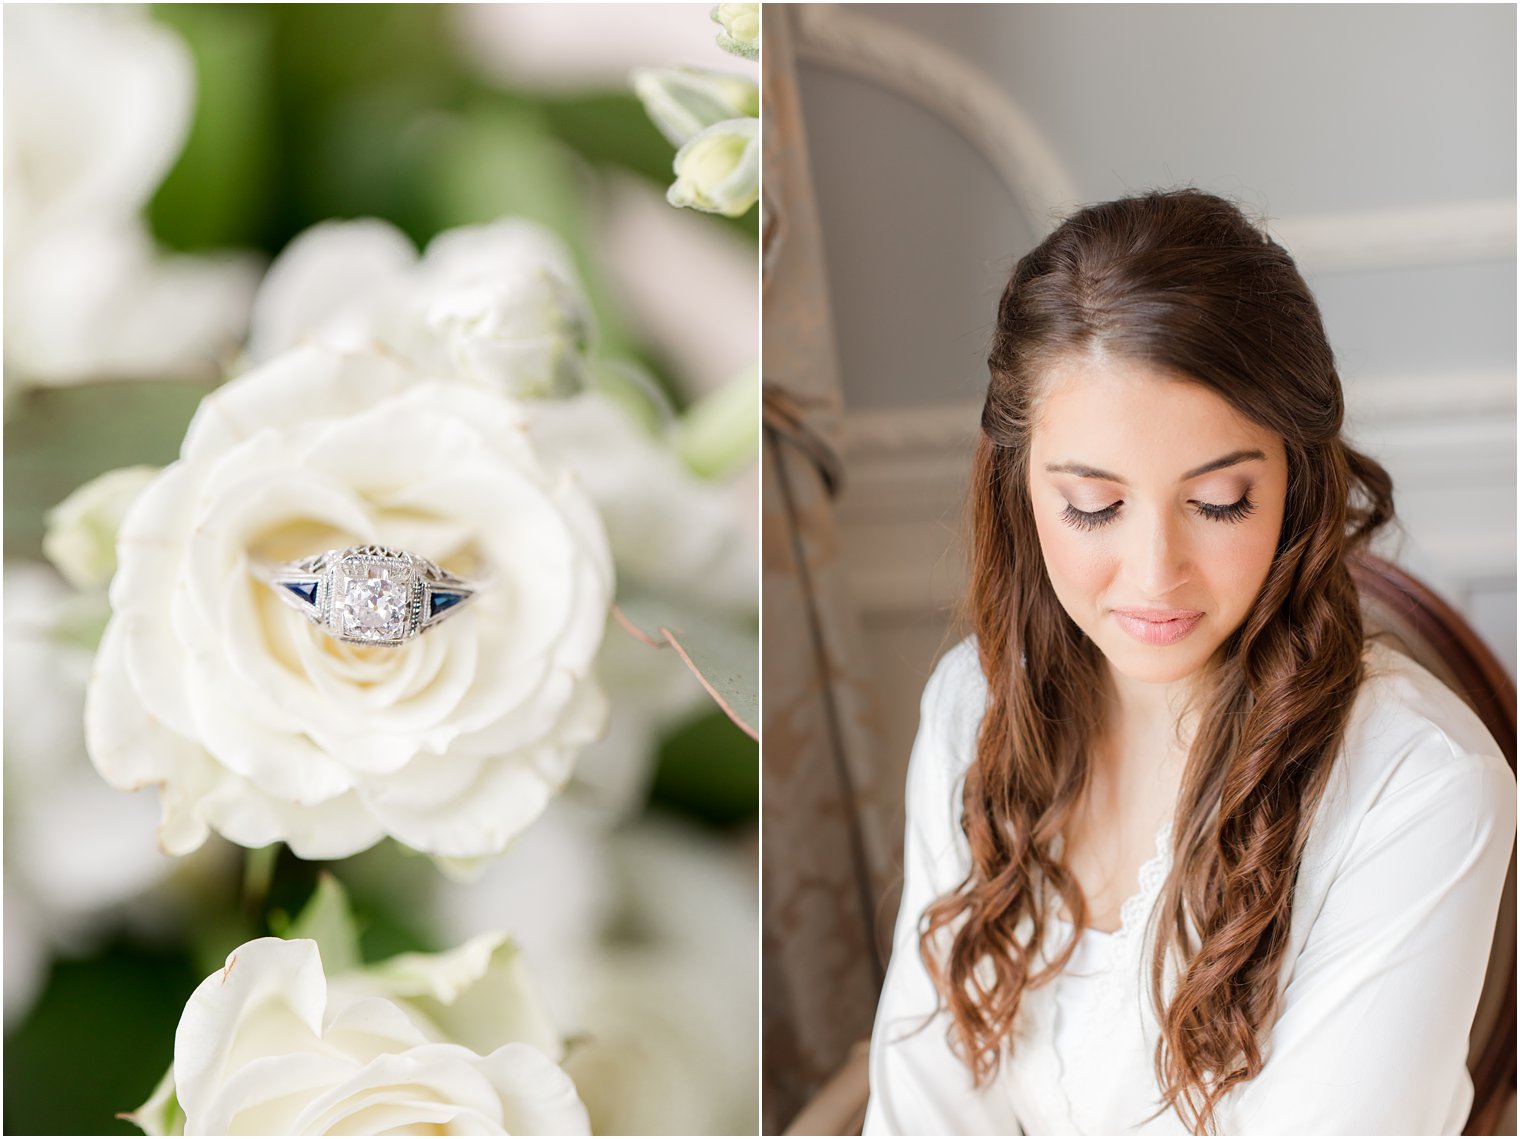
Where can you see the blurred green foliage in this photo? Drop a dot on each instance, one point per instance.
(709, 770)
(316, 111)
(97, 1042)
(58, 439)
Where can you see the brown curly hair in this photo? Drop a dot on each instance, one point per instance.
(1183, 282)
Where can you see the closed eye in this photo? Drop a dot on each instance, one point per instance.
(1089, 519)
(1235, 512)
(1092, 519)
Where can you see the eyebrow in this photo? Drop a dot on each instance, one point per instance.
(1081, 470)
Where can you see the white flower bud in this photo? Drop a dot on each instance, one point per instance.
(741, 29)
(81, 530)
(718, 171)
(684, 101)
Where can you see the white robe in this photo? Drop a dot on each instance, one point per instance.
(1392, 922)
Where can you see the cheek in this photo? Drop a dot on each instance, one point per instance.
(1078, 563)
(1239, 564)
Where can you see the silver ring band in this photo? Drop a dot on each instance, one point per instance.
(370, 595)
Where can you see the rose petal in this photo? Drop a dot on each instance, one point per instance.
(335, 828)
(537, 1097)
(331, 279)
(303, 385)
(283, 764)
(270, 993)
(431, 1083)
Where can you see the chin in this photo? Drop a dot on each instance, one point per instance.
(1153, 665)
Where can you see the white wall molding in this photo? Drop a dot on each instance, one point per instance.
(943, 82)
(1391, 398)
(1447, 233)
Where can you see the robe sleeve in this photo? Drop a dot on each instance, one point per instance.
(918, 1085)
(1372, 1034)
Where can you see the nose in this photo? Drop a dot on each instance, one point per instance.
(1158, 559)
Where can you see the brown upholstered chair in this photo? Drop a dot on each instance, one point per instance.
(1406, 614)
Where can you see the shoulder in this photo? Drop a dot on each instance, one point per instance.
(950, 715)
(1406, 725)
(955, 699)
(956, 684)
(1413, 745)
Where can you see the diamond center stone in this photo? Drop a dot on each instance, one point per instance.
(374, 606)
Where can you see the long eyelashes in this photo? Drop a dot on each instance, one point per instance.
(1091, 520)
(1235, 512)
(1088, 520)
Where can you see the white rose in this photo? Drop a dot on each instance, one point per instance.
(498, 305)
(271, 1046)
(673, 534)
(650, 690)
(255, 723)
(97, 105)
(687, 283)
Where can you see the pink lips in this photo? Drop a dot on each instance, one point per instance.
(1158, 626)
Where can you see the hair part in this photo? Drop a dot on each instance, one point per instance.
(1180, 281)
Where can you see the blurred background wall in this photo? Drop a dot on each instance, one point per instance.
(1377, 140)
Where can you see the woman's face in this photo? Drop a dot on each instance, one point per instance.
(1158, 508)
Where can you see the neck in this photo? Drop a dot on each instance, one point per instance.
(1151, 717)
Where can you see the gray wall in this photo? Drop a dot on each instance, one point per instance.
(1293, 109)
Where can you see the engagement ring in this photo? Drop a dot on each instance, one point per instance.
(370, 595)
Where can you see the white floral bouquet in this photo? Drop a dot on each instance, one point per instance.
(381, 571)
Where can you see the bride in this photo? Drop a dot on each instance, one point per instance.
(1185, 853)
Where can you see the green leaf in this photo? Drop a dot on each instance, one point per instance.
(723, 653)
(328, 920)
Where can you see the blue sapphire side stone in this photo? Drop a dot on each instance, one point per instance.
(305, 590)
(441, 600)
